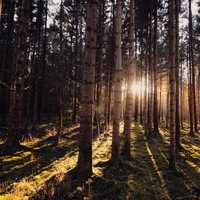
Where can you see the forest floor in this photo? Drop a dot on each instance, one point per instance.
(44, 170)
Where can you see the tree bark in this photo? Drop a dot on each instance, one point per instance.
(155, 95)
(117, 84)
(177, 76)
(172, 79)
(17, 114)
(130, 74)
(0, 7)
(192, 71)
(87, 95)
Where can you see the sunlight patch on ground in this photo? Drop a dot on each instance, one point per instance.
(143, 176)
(30, 185)
(17, 167)
(101, 152)
(195, 167)
(15, 158)
(191, 151)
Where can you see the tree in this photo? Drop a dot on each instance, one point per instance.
(193, 109)
(87, 95)
(155, 97)
(172, 78)
(177, 6)
(0, 6)
(7, 55)
(37, 55)
(117, 83)
(149, 73)
(17, 112)
(130, 73)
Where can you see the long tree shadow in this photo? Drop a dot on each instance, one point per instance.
(146, 180)
(186, 154)
(134, 179)
(72, 188)
(69, 185)
(36, 159)
(72, 135)
(181, 184)
(145, 176)
(27, 164)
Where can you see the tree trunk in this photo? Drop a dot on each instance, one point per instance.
(7, 52)
(117, 85)
(192, 68)
(130, 74)
(155, 97)
(17, 114)
(43, 71)
(150, 80)
(87, 95)
(0, 7)
(172, 79)
(167, 110)
(177, 76)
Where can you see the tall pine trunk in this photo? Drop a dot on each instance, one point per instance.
(172, 79)
(117, 84)
(0, 7)
(17, 108)
(87, 95)
(155, 70)
(177, 75)
(192, 73)
(129, 99)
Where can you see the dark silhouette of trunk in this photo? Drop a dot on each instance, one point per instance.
(136, 96)
(198, 95)
(43, 59)
(37, 56)
(145, 94)
(77, 59)
(130, 74)
(172, 81)
(7, 53)
(181, 97)
(167, 110)
(161, 101)
(60, 113)
(190, 102)
(155, 95)
(177, 76)
(60, 92)
(108, 101)
(150, 79)
(17, 108)
(192, 72)
(141, 92)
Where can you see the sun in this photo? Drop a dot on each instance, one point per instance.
(138, 87)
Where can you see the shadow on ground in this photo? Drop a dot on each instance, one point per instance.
(145, 177)
(30, 161)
